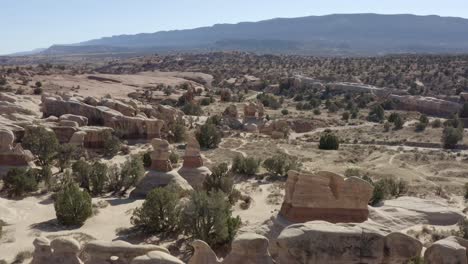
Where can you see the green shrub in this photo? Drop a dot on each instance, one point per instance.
(466, 191)
(436, 123)
(72, 206)
(178, 131)
(146, 158)
(387, 188)
(18, 181)
(160, 212)
(208, 136)
(345, 116)
(192, 109)
(392, 117)
(463, 113)
(451, 136)
(132, 171)
(245, 165)
(67, 153)
(317, 111)
(420, 127)
(209, 218)
(81, 171)
(352, 172)
(220, 179)
(398, 122)
(329, 141)
(377, 114)
(41, 142)
(269, 100)
(285, 112)
(112, 144)
(173, 158)
(98, 178)
(281, 163)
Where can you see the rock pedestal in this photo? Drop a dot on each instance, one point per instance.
(450, 250)
(193, 170)
(161, 173)
(325, 196)
(12, 156)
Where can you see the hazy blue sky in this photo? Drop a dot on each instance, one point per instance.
(29, 24)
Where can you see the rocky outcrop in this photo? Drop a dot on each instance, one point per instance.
(59, 251)
(426, 105)
(192, 169)
(80, 120)
(322, 242)
(325, 196)
(12, 156)
(101, 252)
(276, 129)
(94, 136)
(231, 118)
(161, 173)
(246, 248)
(125, 126)
(451, 250)
(67, 251)
(253, 116)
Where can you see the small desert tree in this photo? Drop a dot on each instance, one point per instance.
(245, 165)
(112, 144)
(208, 136)
(281, 163)
(81, 173)
(329, 141)
(67, 153)
(41, 142)
(451, 136)
(72, 206)
(377, 114)
(132, 171)
(19, 181)
(98, 178)
(160, 212)
(209, 218)
(221, 180)
(178, 131)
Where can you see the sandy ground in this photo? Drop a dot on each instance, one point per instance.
(35, 216)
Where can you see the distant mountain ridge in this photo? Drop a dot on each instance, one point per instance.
(340, 34)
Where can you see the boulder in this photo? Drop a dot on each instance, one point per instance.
(101, 252)
(8, 97)
(65, 251)
(81, 120)
(325, 196)
(119, 106)
(276, 129)
(12, 156)
(192, 169)
(156, 257)
(451, 250)
(95, 136)
(78, 138)
(247, 248)
(322, 242)
(42, 251)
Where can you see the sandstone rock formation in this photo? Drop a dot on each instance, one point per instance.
(276, 129)
(101, 252)
(161, 173)
(192, 169)
(12, 156)
(246, 248)
(156, 257)
(253, 116)
(322, 242)
(126, 126)
(231, 117)
(404, 212)
(59, 251)
(67, 251)
(426, 105)
(451, 250)
(325, 196)
(81, 120)
(95, 136)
